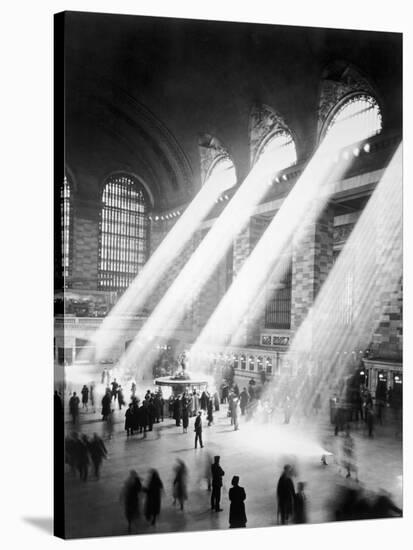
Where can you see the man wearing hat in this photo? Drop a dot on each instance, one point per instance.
(217, 475)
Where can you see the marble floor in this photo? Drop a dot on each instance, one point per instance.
(255, 452)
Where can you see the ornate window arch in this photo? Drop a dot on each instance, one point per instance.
(123, 243)
(222, 170)
(362, 111)
(66, 217)
(271, 138)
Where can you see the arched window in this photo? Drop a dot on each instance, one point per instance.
(66, 217)
(279, 150)
(123, 232)
(222, 173)
(360, 114)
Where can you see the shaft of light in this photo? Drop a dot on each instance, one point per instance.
(155, 268)
(189, 283)
(301, 207)
(323, 335)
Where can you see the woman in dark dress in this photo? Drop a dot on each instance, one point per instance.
(106, 404)
(153, 497)
(237, 496)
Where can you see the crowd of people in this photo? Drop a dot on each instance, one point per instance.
(83, 452)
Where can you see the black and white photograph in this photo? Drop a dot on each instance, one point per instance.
(228, 275)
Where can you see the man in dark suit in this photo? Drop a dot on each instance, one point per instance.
(217, 475)
(198, 430)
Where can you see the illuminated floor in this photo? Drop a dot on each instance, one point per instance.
(256, 455)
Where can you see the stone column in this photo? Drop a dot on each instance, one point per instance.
(85, 243)
(312, 260)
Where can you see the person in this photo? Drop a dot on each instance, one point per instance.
(317, 403)
(92, 396)
(235, 389)
(115, 386)
(74, 407)
(143, 418)
(185, 413)
(243, 400)
(106, 404)
(177, 411)
(129, 420)
(204, 400)
(110, 421)
(349, 460)
(287, 410)
(285, 495)
(121, 400)
(217, 475)
(237, 496)
(180, 492)
(369, 415)
(300, 505)
(83, 457)
(210, 414)
(133, 390)
(153, 497)
(234, 412)
(98, 452)
(130, 497)
(216, 401)
(198, 430)
(85, 396)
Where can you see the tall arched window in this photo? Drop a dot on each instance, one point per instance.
(66, 218)
(123, 232)
(278, 150)
(360, 114)
(222, 173)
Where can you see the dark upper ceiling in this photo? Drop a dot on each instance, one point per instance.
(139, 91)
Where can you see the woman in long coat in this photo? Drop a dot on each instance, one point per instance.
(237, 496)
(153, 497)
(180, 492)
(106, 404)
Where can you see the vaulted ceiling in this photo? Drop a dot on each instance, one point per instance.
(140, 91)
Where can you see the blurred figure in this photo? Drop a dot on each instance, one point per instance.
(74, 407)
(300, 505)
(180, 492)
(106, 404)
(287, 409)
(71, 451)
(317, 403)
(216, 401)
(97, 452)
(83, 457)
(110, 421)
(243, 400)
(198, 430)
(186, 404)
(234, 412)
(285, 495)
(369, 415)
(153, 497)
(85, 397)
(129, 420)
(121, 399)
(133, 390)
(217, 474)
(115, 386)
(349, 458)
(92, 396)
(130, 497)
(237, 496)
(210, 409)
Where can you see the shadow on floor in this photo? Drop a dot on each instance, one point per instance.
(44, 524)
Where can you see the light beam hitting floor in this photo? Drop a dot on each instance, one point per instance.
(330, 334)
